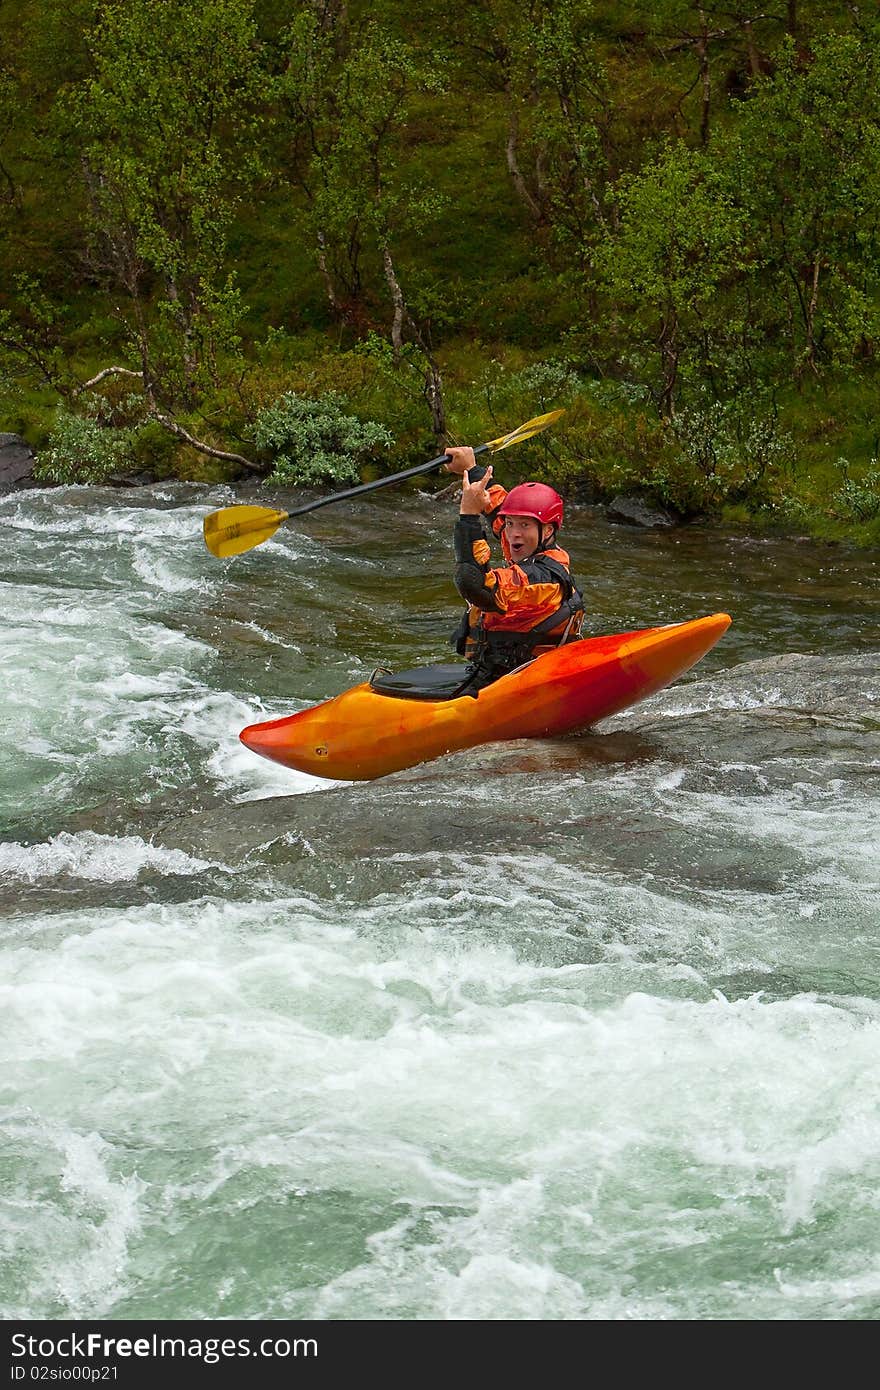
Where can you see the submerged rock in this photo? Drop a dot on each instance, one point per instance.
(635, 511)
(821, 687)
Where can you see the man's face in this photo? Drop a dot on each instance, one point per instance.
(523, 534)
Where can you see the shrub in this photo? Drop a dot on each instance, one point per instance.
(728, 453)
(315, 440)
(81, 450)
(858, 501)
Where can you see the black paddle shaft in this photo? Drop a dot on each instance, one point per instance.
(377, 483)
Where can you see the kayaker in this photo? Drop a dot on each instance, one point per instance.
(529, 605)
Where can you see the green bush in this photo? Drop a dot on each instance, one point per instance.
(501, 394)
(727, 453)
(315, 440)
(81, 450)
(858, 501)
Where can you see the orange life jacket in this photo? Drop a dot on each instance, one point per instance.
(535, 617)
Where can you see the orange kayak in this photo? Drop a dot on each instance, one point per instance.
(362, 734)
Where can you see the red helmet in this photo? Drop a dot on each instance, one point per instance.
(533, 499)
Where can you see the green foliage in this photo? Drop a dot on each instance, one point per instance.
(805, 157)
(82, 450)
(503, 208)
(710, 458)
(858, 500)
(396, 374)
(346, 108)
(514, 396)
(611, 440)
(154, 449)
(167, 125)
(32, 338)
(680, 233)
(732, 453)
(573, 124)
(316, 440)
(561, 146)
(678, 240)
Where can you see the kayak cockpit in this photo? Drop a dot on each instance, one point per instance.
(446, 681)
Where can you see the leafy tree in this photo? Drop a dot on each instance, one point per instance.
(560, 141)
(708, 46)
(166, 126)
(347, 103)
(9, 188)
(806, 157)
(679, 242)
(32, 339)
(573, 125)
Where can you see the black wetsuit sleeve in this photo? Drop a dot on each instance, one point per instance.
(477, 472)
(470, 577)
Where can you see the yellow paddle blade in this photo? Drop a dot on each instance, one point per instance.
(235, 529)
(540, 422)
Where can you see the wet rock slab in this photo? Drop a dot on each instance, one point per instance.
(635, 511)
(16, 462)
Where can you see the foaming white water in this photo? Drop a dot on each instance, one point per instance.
(271, 637)
(694, 699)
(110, 543)
(86, 683)
(159, 573)
(103, 858)
(622, 1100)
(66, 511)
(647, 929)
(93, 1214)
(214, 723)
(827, 830)
(100, 693)
(529, 1126)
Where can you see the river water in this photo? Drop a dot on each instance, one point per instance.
(577, 1029)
